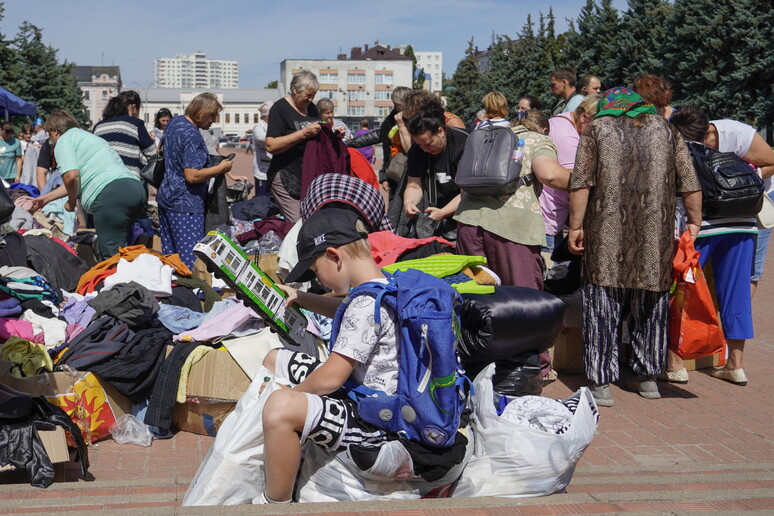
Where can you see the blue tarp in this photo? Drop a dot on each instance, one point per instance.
(10, 104)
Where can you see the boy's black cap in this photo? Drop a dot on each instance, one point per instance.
(329, 227)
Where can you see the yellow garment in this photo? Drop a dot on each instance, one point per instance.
(194, 357)
(29, 358)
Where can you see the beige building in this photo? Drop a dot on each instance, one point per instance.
(195, 71)
(98, 84)
(432, 64)
(240, 106)
(359, 85)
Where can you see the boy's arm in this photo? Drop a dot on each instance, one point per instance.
(323, 305)
(329, 377)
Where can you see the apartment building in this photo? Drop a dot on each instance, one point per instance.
(432, 64)
(195, 71)
(359, 85)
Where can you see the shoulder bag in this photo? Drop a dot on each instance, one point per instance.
(153, 171)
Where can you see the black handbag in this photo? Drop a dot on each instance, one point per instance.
(729, 186)
(153, 171)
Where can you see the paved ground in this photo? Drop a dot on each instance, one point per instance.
(707, 446)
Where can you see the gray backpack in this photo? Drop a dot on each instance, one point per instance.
(487, 167)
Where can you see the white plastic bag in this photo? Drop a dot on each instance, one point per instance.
(233, 471)
(514, 460)
(129, 430)
(334, 477)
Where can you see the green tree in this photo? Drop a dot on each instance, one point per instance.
(465, 97)
(8, 57)
(641, 39)
(40, 77)
(272, 85)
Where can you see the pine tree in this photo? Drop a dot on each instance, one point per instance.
(465, 97)
(641, 38)
(8, 57)
(606, 37)
(580, 51)
(42, 79)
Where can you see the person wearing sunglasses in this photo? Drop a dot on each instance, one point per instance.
(10, 154)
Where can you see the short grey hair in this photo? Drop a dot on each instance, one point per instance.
(400, 94)
(304, 81)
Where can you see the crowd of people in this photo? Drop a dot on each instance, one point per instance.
(602, 173)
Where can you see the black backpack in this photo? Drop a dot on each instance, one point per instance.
(729, 186)
(487, 167)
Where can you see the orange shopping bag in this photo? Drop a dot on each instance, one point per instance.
(694, 330)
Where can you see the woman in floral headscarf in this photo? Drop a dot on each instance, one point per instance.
(630, 165)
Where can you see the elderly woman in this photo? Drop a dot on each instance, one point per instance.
(94, 173)
(183, 191)
(630, 166)
(656, 90)
(293, 120)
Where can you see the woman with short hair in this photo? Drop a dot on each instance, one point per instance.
(183, 191)
(293, 120)
(94, 173)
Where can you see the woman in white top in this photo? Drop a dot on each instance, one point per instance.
(262, 156)
(729, 242)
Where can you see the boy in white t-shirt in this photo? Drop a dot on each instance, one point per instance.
(331, 244)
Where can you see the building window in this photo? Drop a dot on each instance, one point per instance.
(356, 95)
(104, 94)
(382, 111)
(325, 94)
(436, 68)
(86, 95)
(383, 78)
(256, 117)
(356, 78)
(236, 118)
(329, 78)
(228, 118)
(147, 118)
(436, 58)
(355, 111)
(382, 95)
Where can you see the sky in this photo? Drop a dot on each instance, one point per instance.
(259, 35)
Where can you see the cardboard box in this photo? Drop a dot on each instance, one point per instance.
(58, 388)
(716, 360)
(567, 352)
(55, 444)
(201, 416)
(269, 264)
(217, 376)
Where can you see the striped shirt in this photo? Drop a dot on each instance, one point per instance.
(129, 138)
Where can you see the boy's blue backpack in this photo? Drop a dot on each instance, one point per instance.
(432, 388)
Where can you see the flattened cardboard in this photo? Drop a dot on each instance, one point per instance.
(217, 376)
(567, 352)
(202, 416)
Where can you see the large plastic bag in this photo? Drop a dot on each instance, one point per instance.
(514, 460)
(233, 471)
(334, 477)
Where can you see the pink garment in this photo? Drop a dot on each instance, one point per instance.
(25, 202)
(223, 324)
(556, 203)
(387, 247)
(16, 327)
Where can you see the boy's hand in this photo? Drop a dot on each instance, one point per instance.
(292, 294)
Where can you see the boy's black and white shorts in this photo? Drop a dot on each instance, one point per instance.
(331, 422)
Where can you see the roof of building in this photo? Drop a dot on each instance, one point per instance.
(380, 52)
(85, 73)
(235, 95)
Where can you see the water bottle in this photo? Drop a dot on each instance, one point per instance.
(518, 152)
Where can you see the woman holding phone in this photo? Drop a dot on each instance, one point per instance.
(182, 193)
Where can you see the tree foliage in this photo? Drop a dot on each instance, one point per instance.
(717, 54)
(33, 72)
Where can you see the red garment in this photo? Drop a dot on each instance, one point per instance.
(362, 168)
(325, 154)
(387, 247)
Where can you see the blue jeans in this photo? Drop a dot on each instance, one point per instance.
(761, 247)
